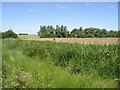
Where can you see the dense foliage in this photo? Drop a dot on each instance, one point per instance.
(79, 58)
(84, 58)
(50, 31)
(9, 34)
(35, 64)
(62, 32)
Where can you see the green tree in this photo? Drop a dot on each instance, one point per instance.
(9, 34)
(75, 32)
(62, 32)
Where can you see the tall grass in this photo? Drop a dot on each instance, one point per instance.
(59, 65)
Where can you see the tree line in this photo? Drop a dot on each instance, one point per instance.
(62, 32)
(22, 34)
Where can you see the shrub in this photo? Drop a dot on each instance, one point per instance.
(9, 34)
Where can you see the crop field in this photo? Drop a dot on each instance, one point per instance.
(46, 64)
(79, 40)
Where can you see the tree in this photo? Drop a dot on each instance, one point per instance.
(112, 33)
(9, 34)
(75, 33)
(62, 32)
(57, 31)
(80, 29)
(51, 32)
(43, 32)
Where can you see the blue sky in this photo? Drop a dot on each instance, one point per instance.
(28, 16)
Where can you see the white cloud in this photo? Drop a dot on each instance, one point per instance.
(111, 6)
(61, 6)
(87, 4)
(31, 10)
(64, 6)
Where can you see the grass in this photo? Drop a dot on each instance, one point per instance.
(28, 36)
(43, 64)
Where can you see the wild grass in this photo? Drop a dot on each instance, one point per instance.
(28, 36)
(45, 64)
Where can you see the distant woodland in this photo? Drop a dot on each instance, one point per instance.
(62, 32)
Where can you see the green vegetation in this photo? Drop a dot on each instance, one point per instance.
(46, 64)
(50, 31)
(28, 36)
(0, 35)
(62, 32)
(22, 34)
(9, 34)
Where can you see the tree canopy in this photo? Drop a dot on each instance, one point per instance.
(62, 32)
(9, 34)
(50, 32)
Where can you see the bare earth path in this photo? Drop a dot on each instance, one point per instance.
(79, 40)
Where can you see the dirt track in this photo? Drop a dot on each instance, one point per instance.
(79, 40)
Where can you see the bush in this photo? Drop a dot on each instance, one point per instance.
(9, 34)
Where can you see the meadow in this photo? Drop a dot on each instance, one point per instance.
(28, 36)
(47, 64)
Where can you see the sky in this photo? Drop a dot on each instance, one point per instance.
(26, 17)
(59, 0)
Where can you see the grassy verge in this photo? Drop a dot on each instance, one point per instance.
(58, 65)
